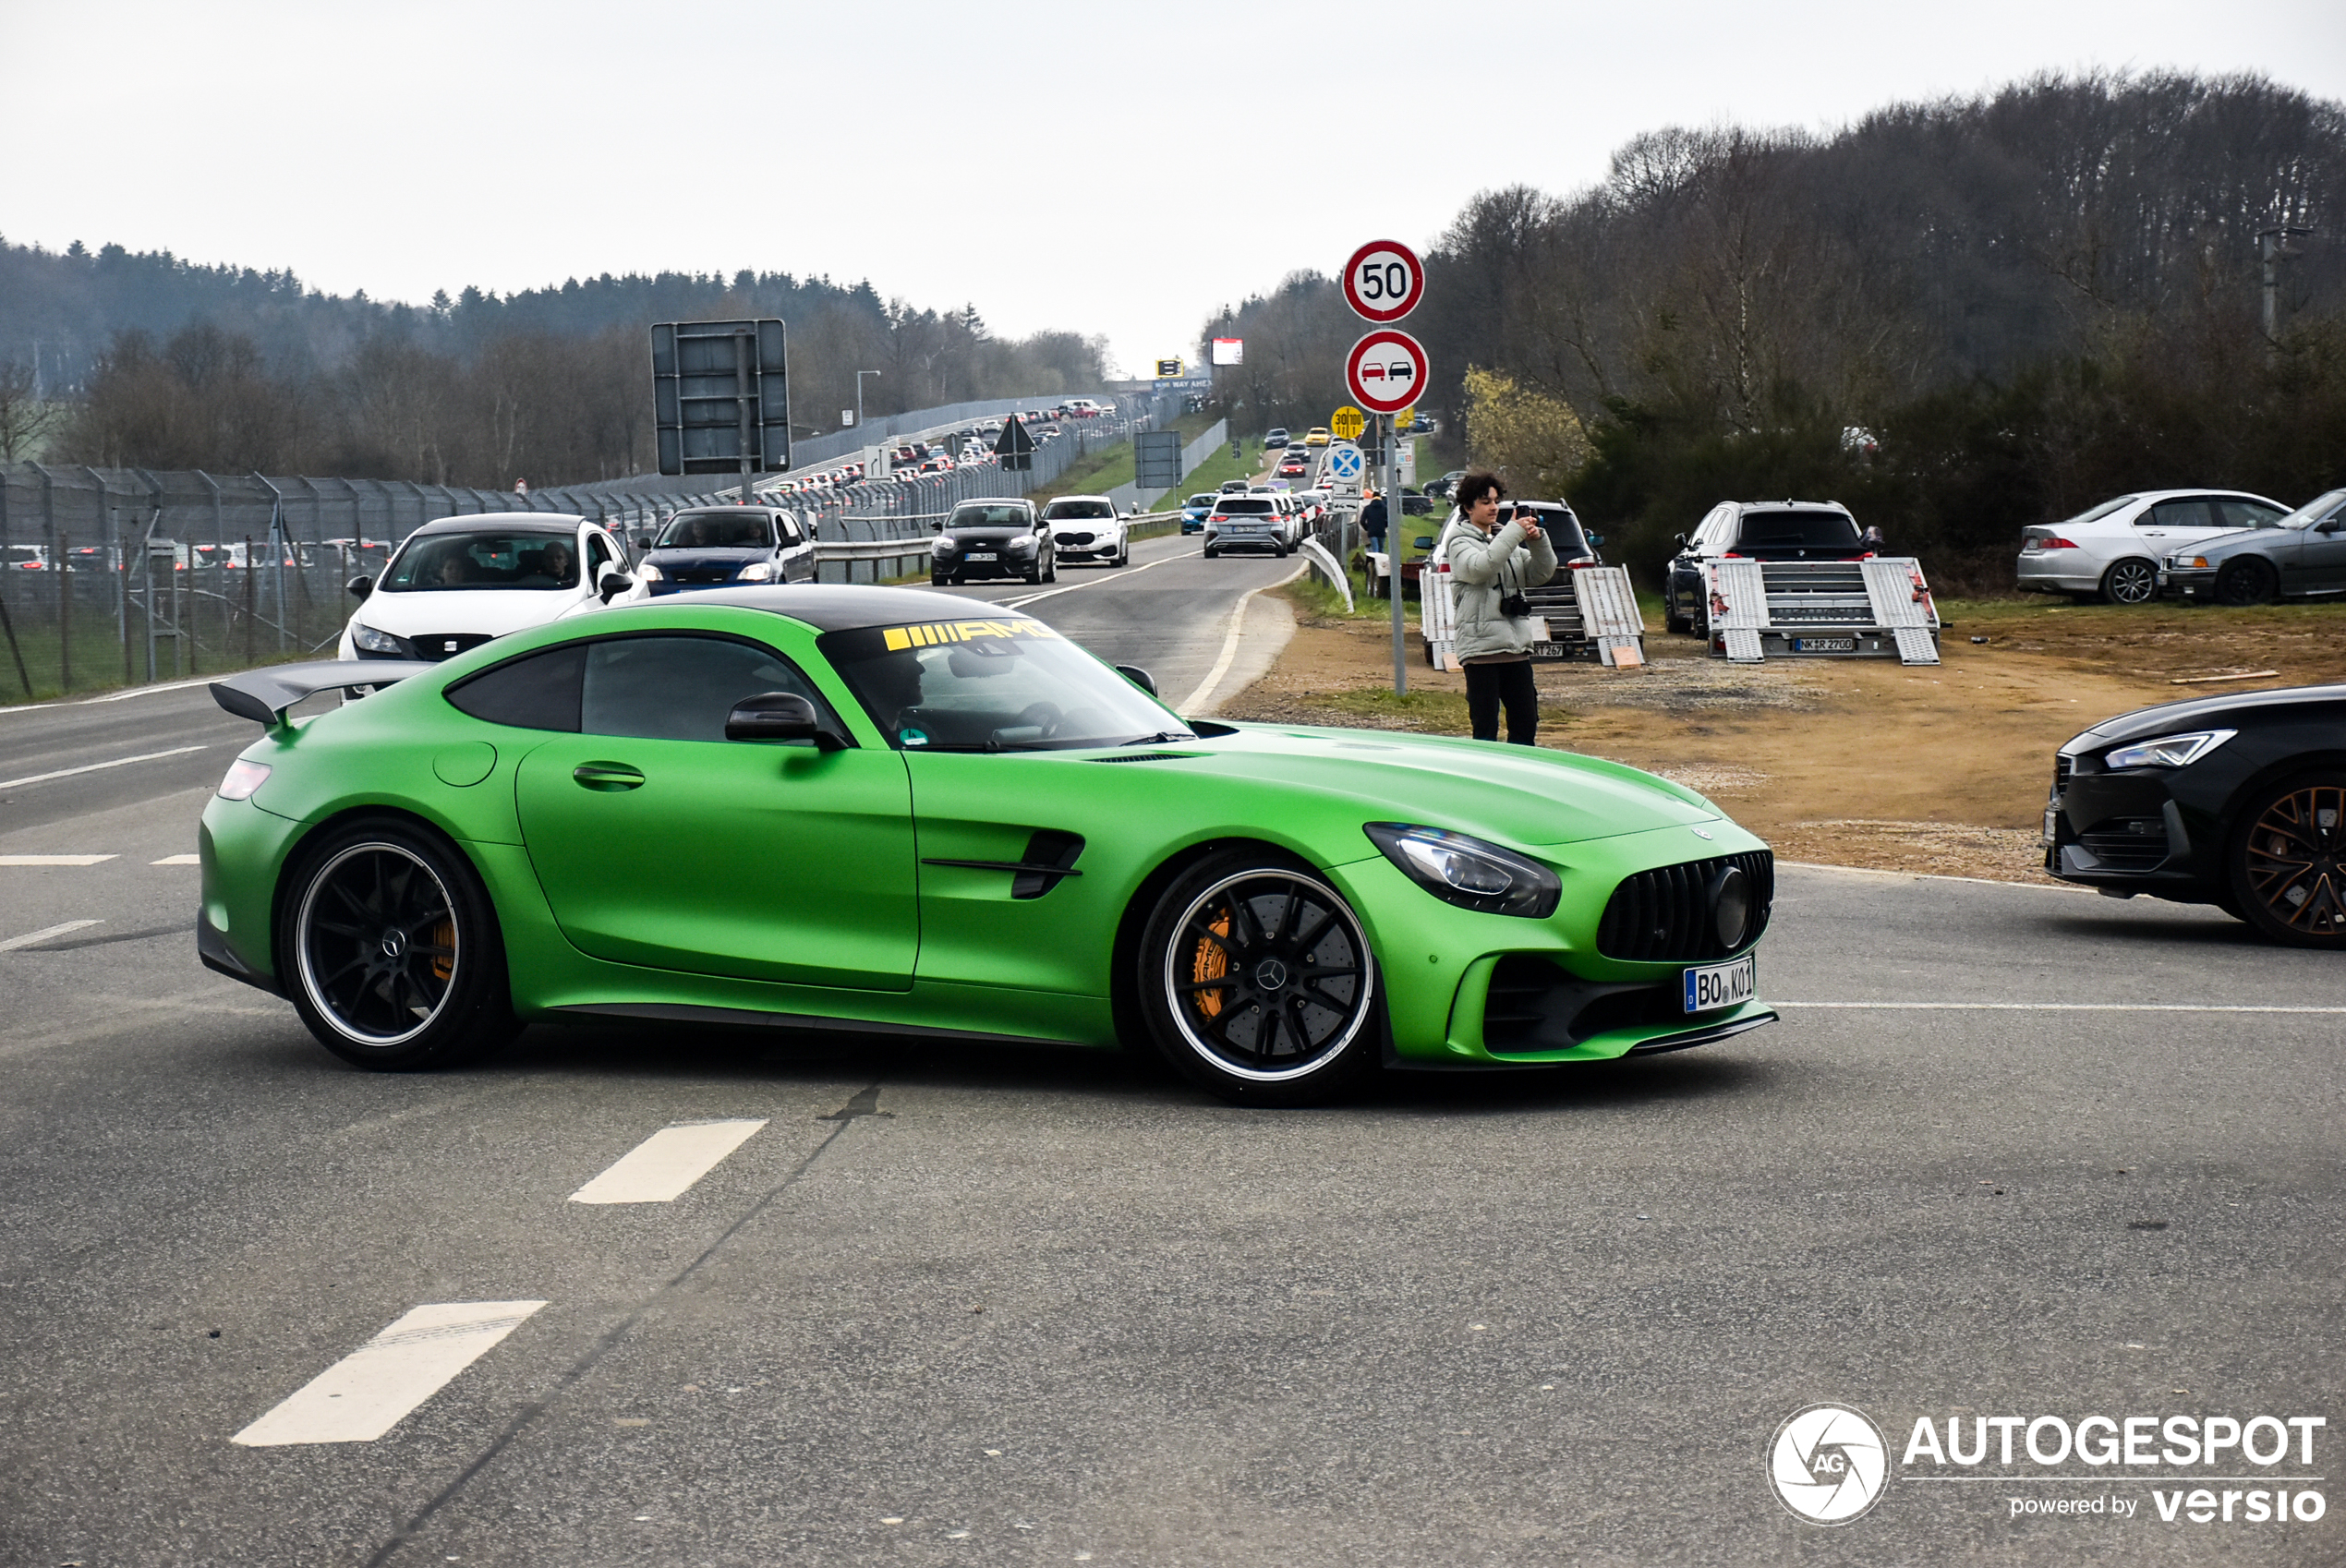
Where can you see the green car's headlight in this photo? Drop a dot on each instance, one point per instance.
(1467, 872)
(366, 639)
(2169, 750)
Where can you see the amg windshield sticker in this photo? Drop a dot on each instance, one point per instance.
(939, 634)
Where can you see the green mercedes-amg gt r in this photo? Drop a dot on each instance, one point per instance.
(889, 810)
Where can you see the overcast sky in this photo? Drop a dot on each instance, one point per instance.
(1104, 167)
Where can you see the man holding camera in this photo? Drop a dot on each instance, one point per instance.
(1490, 568)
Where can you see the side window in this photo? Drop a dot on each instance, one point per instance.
(2191, 512)
(680, 688)
(536, 692)
(598, 557)
(791, 536)
(2236, 513)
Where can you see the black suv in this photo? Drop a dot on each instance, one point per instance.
(1757, 530)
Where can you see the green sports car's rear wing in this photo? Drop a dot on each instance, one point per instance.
(263, 695)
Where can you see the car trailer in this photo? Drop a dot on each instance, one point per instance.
(1877, 609)
(1592, 613)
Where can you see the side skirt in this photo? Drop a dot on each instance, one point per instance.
(750, 1017)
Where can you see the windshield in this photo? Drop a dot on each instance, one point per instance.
(1061, 511)
(1007, 684)
(990, 517)
(1246, 506)
(437, 562)
(2097, 513)
(2314, 511)
(1207, 499)
(1796, 530)
(717, 530)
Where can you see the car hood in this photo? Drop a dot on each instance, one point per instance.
(989, 535)
(2202, 713)
(728, 555)
(490, 611)
(1520, 794)
(2216, 544)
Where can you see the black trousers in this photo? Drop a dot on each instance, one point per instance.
(1490, 685)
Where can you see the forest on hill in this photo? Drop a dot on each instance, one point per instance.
(1957, 317)
(142, 359)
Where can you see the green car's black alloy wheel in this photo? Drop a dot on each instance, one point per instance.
(2288, 865)
(390, 949)
(1258, 982)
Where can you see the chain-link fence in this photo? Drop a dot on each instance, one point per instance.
(116, 576)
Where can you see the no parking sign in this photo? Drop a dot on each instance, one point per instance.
(1345, 466)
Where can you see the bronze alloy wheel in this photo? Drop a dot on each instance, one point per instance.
(2289, 868)
(1263, 979)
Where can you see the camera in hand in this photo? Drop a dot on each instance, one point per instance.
(1514, 607)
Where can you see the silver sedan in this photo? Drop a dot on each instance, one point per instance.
(2114, 551)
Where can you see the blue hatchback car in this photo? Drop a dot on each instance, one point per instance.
(724, 546)
(1194, 511)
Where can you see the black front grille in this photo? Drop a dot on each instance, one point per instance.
(1075, 538)
(437, 645)
(2063, 766)
(1663, 916)
(2127, 843)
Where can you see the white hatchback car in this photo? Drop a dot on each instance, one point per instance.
(458, 582)
(2114, 551)
(1087, 528)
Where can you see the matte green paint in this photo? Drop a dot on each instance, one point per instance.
(782, 880)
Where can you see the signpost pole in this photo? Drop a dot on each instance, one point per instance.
(745, 362)
(1394, 518)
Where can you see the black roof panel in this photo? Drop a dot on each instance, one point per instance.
(838, 607)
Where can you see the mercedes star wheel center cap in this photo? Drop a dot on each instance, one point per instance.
(1270, 974)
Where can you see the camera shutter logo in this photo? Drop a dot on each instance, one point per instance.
(1829, 1464)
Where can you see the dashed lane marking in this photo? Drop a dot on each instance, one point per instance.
(99, 766)
(372, 1389)
(664, 1166)
(178, 860)
(45, 934)
(53, 860)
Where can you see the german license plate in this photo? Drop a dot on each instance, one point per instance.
(1549, 651)
(980, 555)
(1722, 986)
(1824, 645)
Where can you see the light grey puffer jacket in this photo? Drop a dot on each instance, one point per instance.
(1485, 571)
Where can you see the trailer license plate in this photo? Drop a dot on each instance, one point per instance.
(1722, 986)
(1824, 645)
(980, 555)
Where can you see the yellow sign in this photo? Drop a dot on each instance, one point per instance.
(1406, 418)
(939, 634)
(1347, 422)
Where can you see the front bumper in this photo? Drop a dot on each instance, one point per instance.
(2188, 584)
(1098, 550)
(2125, 832)
(1005, 565)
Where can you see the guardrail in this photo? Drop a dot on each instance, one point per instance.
(908, 557)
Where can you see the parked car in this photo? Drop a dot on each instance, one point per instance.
(2237, 801)
(2301, 554)
(459, 581)
(1446, 487)
(1760, 530)
(2114, 551)
(1087, 528)
(716, 546)
(993, 538)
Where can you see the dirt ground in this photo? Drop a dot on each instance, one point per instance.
(1856, 762)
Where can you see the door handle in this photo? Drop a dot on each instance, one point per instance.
(606, 776)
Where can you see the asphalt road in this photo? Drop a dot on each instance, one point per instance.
(990, 1306)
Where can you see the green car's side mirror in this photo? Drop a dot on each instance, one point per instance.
(780, 716)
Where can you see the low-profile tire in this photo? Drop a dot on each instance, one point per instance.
(2286, 862)
(2131, 581)
(1051, 572)
(1212, 554)
(1257, 982)
(1034, 573)
(390, 950)
(2248, 582)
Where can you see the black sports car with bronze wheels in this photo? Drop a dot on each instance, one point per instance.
(2238, 801)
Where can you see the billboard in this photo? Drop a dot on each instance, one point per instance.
(720, 396)
(1230, 351)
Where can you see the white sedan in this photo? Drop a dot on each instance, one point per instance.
(458, 582)
(2112, 551)
(1087, 528)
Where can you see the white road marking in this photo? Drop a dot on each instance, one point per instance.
(2057, 1006)
(178, 860)
(1117, 575)
(113, 696)
(372, 1389)
(98, 767)
(30, 937)
(1187, 707)
(663, 1167)
(53, 860)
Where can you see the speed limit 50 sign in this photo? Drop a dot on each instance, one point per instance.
(1384, 281)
